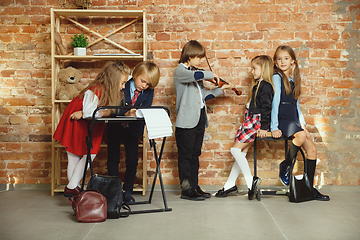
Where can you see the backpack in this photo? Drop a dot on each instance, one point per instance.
(89, 206)
(111, 188)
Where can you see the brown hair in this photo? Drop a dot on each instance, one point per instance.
(296, 73)
(192, 49)
(107, 81)
(150, 69)
(266, 64)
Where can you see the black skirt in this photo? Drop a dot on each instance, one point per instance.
(289, 126)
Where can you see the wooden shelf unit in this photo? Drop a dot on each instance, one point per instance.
(56, 16)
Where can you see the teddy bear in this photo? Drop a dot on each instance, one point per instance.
(58, 42)
(69, 85)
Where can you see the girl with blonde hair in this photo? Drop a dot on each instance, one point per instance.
(256, 122)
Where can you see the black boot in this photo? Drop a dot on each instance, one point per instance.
(311, 166)
(310, 169)
(284, 167)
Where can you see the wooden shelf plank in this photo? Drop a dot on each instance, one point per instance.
(100, 13)
(62, 101)
(102, 57)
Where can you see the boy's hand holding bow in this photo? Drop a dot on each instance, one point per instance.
(215, 80)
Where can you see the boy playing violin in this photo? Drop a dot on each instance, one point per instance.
(191, 119)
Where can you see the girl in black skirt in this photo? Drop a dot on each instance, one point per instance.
(256, 121)
(287, 118)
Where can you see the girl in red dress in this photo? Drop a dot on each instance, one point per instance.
(72, 128)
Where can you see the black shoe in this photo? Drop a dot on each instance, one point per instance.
(223, 193)
(192, 194)
(201, 192)
(254, 187)
(284, 173)
(318, 196)
(128, 198)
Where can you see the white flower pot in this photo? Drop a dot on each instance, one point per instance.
(80, 51)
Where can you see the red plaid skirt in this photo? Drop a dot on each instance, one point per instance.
(247, 131)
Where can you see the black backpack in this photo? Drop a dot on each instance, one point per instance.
(111, 188)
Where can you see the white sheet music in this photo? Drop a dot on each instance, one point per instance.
(157, 121)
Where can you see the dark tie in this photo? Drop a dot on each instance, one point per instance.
(292, 85)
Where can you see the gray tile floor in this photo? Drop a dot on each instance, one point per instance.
(33, 214)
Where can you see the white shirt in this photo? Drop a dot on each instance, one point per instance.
(90, 104)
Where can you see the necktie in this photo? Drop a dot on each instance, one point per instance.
(292, 85)
(132, 103)
(134, 98)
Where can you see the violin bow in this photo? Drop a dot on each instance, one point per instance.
(221, 80)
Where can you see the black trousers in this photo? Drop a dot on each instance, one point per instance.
(189, 142)
(115, 134)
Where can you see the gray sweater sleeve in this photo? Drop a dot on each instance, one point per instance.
(183, 75)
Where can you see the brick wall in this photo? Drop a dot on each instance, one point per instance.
(324, 33)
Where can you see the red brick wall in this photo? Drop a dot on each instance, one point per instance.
(324, 34)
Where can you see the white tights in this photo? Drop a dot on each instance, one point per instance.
(75, 169)
(240, 164)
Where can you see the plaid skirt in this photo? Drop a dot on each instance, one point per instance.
(247, 131)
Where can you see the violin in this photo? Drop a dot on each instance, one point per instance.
(221, 82)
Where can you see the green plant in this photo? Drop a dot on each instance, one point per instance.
(79, 41)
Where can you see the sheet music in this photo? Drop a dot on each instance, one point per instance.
(157, 121)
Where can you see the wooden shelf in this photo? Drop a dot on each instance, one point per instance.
(99, 13)
(97, 58)
(59, 15)
(61, 101)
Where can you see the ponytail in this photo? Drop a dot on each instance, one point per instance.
(296, 73)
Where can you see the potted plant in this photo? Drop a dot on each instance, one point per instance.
(80, 42)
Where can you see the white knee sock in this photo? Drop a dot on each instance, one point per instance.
(235, 172)
(78, 172)
(241, 160)
(72, 161)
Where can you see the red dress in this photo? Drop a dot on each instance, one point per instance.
(71, 133)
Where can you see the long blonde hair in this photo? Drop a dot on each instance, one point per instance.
(107, 81)
(296, 73)
(266, 64)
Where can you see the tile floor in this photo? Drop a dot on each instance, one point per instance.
(34, 214)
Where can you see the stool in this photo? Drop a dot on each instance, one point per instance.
(270, 191)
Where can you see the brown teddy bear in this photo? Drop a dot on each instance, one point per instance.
(69, 85)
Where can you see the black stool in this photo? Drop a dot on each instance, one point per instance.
(270, 191)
